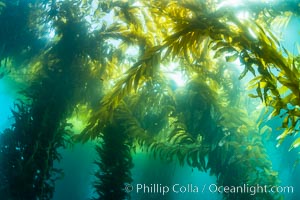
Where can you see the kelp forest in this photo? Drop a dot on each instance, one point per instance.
(209, 86)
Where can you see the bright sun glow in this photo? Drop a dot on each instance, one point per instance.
(179, 78)
(230, 3)
(51, 34)
(243, 15)
(172, 72)
(236, 3)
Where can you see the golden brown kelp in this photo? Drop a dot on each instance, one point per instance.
(227, 145)
(197, 34)
(190, 28)
(193, 33)
(195, 132)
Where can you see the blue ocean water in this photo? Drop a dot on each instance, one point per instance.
(181, 182)
(78, 164)
(79, 170)
(7, 98)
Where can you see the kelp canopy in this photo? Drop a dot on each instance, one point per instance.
(111, 64)
(203, 38)
(206, 119)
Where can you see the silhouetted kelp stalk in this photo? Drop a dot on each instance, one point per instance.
(30, 147)
(114, 164)
(27, 156)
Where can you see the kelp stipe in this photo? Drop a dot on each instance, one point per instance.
(57, 86)
(27, 157)
(114, 164)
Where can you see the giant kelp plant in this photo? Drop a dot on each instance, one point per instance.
(201, 36)
(62, 79)
(118, 70)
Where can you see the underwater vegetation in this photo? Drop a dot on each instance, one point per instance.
(114, 164)
(20, 37)
(111, 62)
(30, 147)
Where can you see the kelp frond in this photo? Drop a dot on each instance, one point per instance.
(198, 34)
